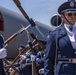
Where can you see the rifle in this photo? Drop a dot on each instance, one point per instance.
(13, 36)
(9, 39)
(18, 4)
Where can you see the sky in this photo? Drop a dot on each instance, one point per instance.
(40, 10)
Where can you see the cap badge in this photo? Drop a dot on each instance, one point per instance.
(71, 4)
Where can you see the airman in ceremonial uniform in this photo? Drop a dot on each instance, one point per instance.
(60, 57)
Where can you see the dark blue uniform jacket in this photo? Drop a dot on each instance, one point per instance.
(58, 52)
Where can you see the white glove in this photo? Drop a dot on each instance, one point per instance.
(33, 57)
(23, 56)
(41, 71)
(3, 53)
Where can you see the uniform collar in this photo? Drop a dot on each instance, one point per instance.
(63, 31)
(73, 26)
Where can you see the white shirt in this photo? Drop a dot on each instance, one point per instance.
(71, 34)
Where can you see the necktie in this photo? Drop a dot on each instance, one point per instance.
(70, 28)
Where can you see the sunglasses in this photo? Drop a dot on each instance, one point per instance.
(71, 14)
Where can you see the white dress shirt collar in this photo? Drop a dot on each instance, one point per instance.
(71, 34)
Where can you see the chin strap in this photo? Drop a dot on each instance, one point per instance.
(67, 20)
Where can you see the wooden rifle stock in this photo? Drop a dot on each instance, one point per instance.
(10, 38)
(20, 8)
(18, 4)
(34, 68)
